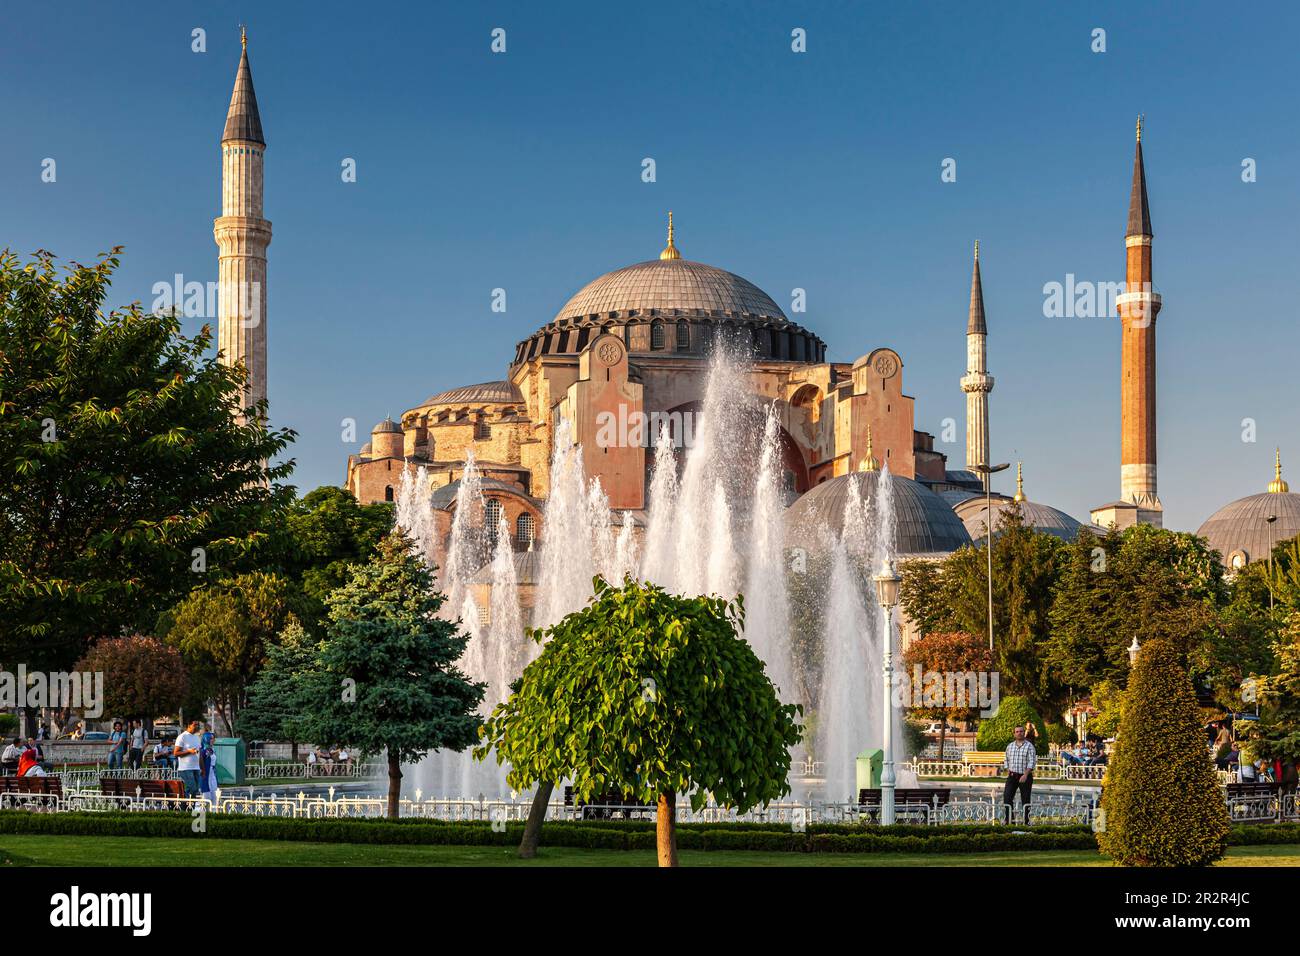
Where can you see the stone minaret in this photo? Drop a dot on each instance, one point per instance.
(977, 382)
(1138, 307)
(242, 236)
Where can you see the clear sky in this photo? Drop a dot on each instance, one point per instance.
(819, 170)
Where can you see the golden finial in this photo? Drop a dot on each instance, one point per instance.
(1139, 128)
(1277, 486)
(977, 250)
(243, 37)
(1020, 482)
(670, 250)
(869, 463)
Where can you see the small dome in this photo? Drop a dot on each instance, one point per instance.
(366, 449)
(1242, 526)
(973, 512)
(385, 427)
(667, 284)
(444, 497)
(925, 524)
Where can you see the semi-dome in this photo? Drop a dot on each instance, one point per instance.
(485, 393)
(1240, 531)
(974, 515)
(924, 522)
(667, 284)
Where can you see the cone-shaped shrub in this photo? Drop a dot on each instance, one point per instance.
(1162, 802)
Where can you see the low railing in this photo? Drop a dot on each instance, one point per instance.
(293, 770)
(1046, 769)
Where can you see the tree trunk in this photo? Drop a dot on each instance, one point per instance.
(536, 817)
(293, 750)
(394, 784)
(666, 829)
(943, 732)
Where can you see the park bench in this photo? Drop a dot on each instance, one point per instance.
(930, 796)
(126, 787)
(991, 760)
(51, 786)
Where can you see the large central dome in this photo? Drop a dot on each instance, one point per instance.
(668, 284)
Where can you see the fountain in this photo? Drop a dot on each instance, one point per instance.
(712, 526)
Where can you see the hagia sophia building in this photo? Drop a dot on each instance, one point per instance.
(639, 339)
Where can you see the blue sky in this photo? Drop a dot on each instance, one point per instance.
(817, 170)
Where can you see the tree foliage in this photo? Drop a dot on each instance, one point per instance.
(1162, 802)
(143, 677)
(648, 694)
(385, 679)
(279, 698)
(119, 456)
(996, 732)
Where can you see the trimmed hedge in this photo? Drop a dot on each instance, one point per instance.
(600, 835)
(996, 732)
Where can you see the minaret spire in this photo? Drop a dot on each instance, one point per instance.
(977, 383)
(242, 235)
(1139, 212)
(1020, 481)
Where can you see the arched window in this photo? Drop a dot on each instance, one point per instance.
(656, 335)
(492, 519)
(683, 336)
(524, 530)
(388, 493)
(482, 429)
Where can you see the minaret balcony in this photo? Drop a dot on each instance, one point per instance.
(976, 382)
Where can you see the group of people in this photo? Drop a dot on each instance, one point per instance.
(196, 760)
(127, 746)
(329, 755)
(1086, 753)
(23, 759)
(1225, 750)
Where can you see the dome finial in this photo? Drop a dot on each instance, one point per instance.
(670, 250)
(243, 37)
(1020, 482)
(1139, 128)
(977, 250)
(1277, 485)
(869, 462)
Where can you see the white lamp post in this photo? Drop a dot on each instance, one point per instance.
(1133, 650)
(887, 594)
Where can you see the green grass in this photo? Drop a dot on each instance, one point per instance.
(42, 850)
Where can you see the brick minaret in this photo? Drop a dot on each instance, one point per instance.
(1138, 308)
(242, 235)
(977, 383)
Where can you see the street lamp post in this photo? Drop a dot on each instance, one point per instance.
(1270, 519)
(1133, 650)
(887, 582)
(988, 471)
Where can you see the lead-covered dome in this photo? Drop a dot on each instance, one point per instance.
(1240, 531)
(668, 284)
(925, 524)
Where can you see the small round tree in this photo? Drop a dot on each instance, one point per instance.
(1162, 804)
(647, 694)
(999, 730)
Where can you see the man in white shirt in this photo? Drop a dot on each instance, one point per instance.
(1021, 758)
(11, 754)
(186, 752)
(136, 754)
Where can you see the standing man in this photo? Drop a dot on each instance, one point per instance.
(186, 752)
(137, 745)
(118, 749)
(1021, 759)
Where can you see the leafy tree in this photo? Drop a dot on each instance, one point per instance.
(1279, 696)
(143, 677)
(1143, 580)
(120, 455)
(1108, 698)
(948, 653)
(1162, 802)
(328, 532)
(647, 694)
(953, 596)
(279, 695)
(385, 676)
(223, 632)
(996, 732)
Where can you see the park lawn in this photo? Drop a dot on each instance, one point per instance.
(41, 850)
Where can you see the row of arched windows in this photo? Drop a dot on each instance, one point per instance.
(525, 529)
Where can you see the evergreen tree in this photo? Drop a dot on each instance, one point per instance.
(280, 694)
(385, 677)
(1161, 801)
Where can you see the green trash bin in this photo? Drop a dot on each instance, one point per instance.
(231, 756)
(871, 764)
